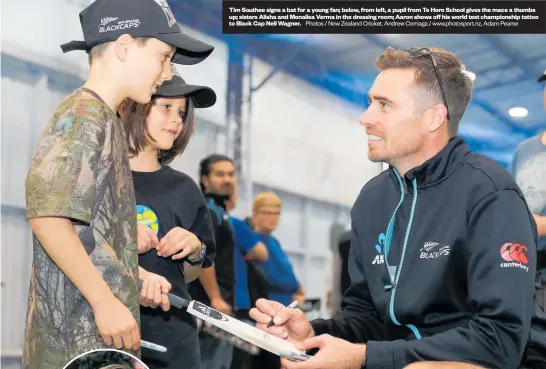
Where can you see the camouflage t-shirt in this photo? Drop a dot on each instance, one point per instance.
(80, 171)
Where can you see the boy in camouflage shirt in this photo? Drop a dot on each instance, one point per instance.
(80, 200)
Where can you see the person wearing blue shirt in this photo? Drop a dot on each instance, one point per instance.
(283, 285)
(248, 248)
(280, 281)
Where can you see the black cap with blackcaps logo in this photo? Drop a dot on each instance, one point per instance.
(204, 96)
(105, 20)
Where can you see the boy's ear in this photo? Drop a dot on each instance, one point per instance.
(121, 46)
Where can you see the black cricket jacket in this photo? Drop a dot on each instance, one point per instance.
(442, 267)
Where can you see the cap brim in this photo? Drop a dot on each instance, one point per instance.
(204, 97)
(73, 46)
(542, 78)
(189, 50)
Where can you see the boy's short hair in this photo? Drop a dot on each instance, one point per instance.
(98, 50)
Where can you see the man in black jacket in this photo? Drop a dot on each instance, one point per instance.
(216, 285)
(442, 268)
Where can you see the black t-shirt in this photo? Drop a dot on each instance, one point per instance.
(167, 199)
(225, 259)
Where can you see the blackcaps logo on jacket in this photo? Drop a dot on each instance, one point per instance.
(379, 259)
(433, 250)
(514, 253)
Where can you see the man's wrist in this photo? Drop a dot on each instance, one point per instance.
(194, 259)
(361, 359)
(197, 253)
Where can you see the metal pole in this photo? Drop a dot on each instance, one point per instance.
(247, 143)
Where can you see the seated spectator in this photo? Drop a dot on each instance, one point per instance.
(282, 283)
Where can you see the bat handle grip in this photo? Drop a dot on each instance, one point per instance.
(175, 301)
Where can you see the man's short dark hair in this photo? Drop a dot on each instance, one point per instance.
(457, 83)
(206, 165)
(134, 119)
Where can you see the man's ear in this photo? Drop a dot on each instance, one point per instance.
(205, 181)
(438, 116)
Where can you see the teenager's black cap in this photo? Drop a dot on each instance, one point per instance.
(204, 97)
(105, 20)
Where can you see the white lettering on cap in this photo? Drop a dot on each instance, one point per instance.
(131, 23)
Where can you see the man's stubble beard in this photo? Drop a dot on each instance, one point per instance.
(403, 151)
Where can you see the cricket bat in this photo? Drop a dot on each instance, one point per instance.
(232, 339)
(253, 335)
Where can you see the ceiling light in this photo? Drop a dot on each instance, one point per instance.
(518, 112)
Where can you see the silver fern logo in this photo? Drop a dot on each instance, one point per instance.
(429, 246)
(105, 20)
(168, 12)
(174, 70)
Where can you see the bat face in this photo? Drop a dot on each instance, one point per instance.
(230, 338)
(246, 332)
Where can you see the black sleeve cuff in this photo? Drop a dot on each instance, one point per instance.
(320, 326)
(207, 262)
